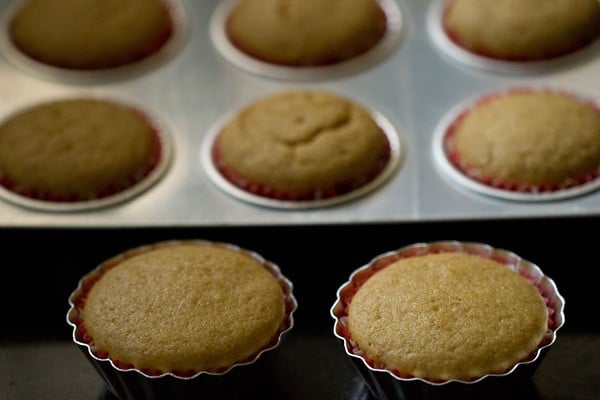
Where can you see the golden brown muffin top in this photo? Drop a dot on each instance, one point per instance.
(303, 141)
(90, 34)
(447, 316)
(526, 137)
(523, 29)
(184, 307)
(305, 32)
(75, 148)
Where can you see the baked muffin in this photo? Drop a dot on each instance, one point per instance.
(90, 35)
(446, 312)
(301, 145)
(527, 140)
(174, 311)
(522, 30)
(77, 149)
(303, 33)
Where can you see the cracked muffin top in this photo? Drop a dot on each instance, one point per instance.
(304, 144)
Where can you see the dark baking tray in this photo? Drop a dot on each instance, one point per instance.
(42, 266)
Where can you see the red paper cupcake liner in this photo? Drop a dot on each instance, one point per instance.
(326, 193)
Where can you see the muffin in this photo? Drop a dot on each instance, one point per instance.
(301, 145)
(303, 33)
(90, 35)
(446, 312)
(179, 317)
(527, 140)
(522, 30)
(77, 149)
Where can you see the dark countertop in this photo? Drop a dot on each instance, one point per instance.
(42, 267)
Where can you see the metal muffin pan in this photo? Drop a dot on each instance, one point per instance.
(191, 87)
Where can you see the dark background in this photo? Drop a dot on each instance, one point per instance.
(41, 267)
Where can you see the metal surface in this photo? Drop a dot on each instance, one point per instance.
(194, 85)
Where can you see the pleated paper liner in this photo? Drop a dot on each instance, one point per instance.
(235, 191)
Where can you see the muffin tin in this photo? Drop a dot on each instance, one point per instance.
(414, 79)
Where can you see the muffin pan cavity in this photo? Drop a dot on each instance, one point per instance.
(226, 186)
(382, 50)
(473, 182)
(455, 52)
(162, 158)
(78, 76)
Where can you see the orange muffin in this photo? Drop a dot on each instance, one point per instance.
(301, 145)
(301, 33)
(76, 149)
(522, 30)
(527, 140)
(90, 35)
(175, 312)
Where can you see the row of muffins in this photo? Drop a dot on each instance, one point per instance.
(300, 148)
(365, 159)
(183, 317)
(105, 35)
(285, 147)
(330, 163)
(96, 39)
